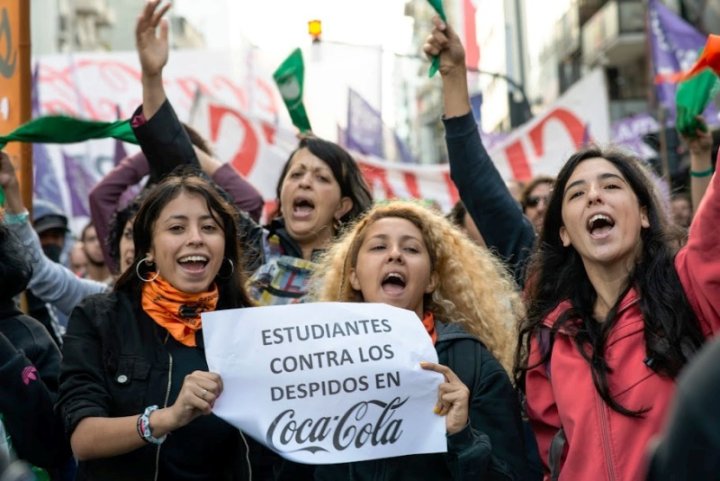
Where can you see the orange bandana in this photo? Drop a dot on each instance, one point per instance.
(176, 311)
(428, 321)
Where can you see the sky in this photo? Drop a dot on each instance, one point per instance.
(277, 27)
(281, 25)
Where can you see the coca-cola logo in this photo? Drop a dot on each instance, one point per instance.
(372, 422)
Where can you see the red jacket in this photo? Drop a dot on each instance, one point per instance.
(601, 444)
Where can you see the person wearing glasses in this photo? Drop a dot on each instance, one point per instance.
(534, 199)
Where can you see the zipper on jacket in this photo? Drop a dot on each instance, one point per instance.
(604, 434)
(247, 454)
(167, 396)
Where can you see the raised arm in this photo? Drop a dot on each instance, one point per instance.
(162, 137)
(106, 194)
(700, 147)
(152, 47)
(245, 195)
(495, 213)
(51, 282)
(698, 263)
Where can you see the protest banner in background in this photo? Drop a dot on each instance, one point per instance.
(327, 382)
(243, 117)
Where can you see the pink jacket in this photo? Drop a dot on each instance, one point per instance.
(562, 393)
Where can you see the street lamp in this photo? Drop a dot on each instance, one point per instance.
(315, 30)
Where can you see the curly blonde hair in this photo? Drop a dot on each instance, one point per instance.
(474, 288)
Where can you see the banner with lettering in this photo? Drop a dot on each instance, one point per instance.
(327, 382)
(242, 116)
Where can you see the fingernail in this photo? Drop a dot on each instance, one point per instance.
(436, 410)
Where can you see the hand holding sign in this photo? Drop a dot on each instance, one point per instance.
(453, 398)
(199, 391)
(197, 396)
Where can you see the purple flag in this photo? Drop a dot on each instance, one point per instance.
(674, 45)
(79, 182)
(367, 133)
(45, 180)
(341, 137)
(630, 132)
(364, 127)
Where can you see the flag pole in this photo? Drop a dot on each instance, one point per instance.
(664, 158)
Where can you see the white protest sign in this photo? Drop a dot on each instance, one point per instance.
(327, 382)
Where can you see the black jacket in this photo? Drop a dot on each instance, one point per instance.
(490, 448)
(116, 364)
(29, 368)
(498, 217)
(689, 449)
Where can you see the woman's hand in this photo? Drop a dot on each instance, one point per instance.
(11, 186)
(453, 398)
(701, 143)
(443, 41)
(152, 49)
(197, 396)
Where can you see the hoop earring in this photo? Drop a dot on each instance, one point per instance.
(232, 269)
(137, 270)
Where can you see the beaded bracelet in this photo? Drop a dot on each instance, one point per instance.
(702, 173)
(20, 218)
(144, 429)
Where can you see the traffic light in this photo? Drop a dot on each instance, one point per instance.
(315, 30)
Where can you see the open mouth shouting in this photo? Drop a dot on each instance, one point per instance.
(193, 264)
(303, 208)
(393, 283)
(600, 225)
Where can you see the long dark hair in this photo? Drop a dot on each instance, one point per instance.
(15, 269)
(231, 286)
(556, 274)
(117, 229)
(344, 169)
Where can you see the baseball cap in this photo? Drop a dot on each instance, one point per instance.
(47, 216)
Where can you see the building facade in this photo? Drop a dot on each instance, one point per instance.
(59, 26)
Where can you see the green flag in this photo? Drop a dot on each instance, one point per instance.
(289, 78)
(435, 64)
(691, 98)
(59, 129)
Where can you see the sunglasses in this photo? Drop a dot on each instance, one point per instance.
(534, 200)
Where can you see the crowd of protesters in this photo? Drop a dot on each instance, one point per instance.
(567, 318)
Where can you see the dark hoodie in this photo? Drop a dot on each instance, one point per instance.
(29, 368)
